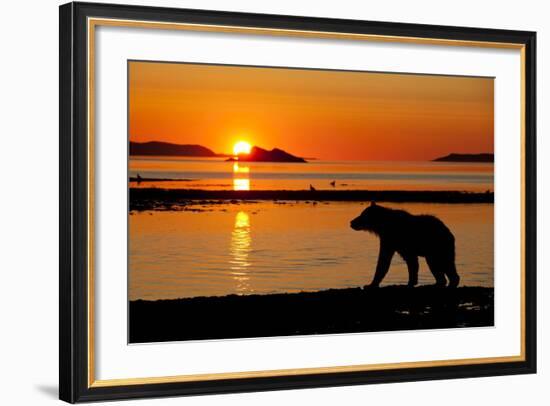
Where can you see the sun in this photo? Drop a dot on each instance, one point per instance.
(241, 147)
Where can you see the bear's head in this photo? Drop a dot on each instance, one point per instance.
(370, 219)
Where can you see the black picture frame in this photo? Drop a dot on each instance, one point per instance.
(74, 385)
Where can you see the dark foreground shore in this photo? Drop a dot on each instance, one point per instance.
(326, 312)
(153, 198)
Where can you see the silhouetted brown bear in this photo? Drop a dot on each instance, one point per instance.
(410, 236)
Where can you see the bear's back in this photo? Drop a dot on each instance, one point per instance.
(429, 234)
(432, 225)
(417, 233)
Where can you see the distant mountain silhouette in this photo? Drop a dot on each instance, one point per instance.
(169, 149)
(466, 158)
(258, 154)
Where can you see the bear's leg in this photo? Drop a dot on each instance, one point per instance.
(454, 279)
(384, 260)
(438, 270)
(412, 265)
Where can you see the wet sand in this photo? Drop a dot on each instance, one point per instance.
(325, 312)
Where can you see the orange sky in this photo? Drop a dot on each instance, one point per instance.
(311, 113)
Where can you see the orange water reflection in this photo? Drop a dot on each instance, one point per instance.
(269, 247)
(239, 251)
(241, 184)
(240, 177)
(218, 174)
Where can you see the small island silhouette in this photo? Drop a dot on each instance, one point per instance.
(454, 157)
(258, 154)
(160, 148)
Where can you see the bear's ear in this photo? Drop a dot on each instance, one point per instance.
(373, 203)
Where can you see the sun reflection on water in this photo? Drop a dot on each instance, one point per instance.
(240, 248)
(240, 169)
(241, 184)
(240, 177)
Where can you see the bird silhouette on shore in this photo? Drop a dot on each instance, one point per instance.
(312, 188)
(138, 178)
(333, 183)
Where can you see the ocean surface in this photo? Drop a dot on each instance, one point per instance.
(268, 247)
(217, 174)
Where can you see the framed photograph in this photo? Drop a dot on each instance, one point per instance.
(256, 202)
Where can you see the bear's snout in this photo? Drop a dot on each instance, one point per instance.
(355, 224)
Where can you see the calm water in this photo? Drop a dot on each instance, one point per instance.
(216, 173)
(271, 247)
